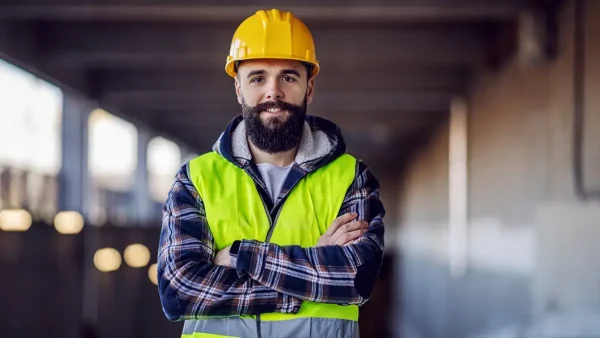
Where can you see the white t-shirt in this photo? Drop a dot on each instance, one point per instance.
(274, 177)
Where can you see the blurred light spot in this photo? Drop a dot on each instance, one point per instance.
(68, 222)
(152, 273)
(107, 259)
(15, 220)
(137, 255)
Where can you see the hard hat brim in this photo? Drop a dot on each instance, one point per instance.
(231, 71)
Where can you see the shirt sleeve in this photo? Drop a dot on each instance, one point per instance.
(189, 284)
(328, 274)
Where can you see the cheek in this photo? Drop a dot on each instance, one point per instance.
(295, 95)
(251, 98)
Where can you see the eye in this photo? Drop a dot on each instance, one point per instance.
(256, 79)
(288, 79)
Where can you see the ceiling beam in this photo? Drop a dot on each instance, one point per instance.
(347, 100)
(178, 46)
(18, 46)
(312, 11)
(371, 77)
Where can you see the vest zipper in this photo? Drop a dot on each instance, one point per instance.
(270, 233)
(271, 223)
(258, 333)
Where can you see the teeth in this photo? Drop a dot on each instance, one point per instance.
(272, 110)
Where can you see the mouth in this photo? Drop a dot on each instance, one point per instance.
(274, 111)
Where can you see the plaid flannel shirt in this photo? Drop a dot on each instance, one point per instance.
(267, 277)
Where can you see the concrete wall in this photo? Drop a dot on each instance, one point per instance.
(531, 244)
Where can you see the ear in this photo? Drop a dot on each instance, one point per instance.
(310, 90)
(238, 89)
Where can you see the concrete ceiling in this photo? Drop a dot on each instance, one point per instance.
(389, 68)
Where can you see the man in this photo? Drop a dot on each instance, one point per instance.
(277, 232)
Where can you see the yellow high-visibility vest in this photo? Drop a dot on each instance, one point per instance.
(235, 211)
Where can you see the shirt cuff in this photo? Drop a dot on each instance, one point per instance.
(251, 257)
(233, 252)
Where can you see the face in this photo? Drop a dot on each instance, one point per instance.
(274, 95)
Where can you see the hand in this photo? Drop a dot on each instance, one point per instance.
(222, 257)
(342, 231)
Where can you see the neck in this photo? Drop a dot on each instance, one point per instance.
(282, 159)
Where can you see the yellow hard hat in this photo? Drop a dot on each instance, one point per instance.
(272, 34)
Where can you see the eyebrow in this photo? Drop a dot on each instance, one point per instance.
(255, 72)
(285, 71)
(291, 71)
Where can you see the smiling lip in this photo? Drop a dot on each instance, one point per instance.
(274, 111)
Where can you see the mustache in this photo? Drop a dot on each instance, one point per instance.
(292, 108)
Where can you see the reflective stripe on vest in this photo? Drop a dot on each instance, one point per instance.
(246, 327)
(235, 210)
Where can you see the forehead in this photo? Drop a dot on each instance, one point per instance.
(274, 66)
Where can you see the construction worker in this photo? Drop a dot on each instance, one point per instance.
(277, 232)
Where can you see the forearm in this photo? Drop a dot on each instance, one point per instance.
(190, 289)
(190, 284)
(328, 274)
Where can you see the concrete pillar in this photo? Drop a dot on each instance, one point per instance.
(75, 190)
(141, 191)
(74, 176)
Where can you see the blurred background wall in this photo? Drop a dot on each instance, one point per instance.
(527, 235)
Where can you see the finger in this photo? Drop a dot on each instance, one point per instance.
(348, 227)
(338, 222)
(351, 226)
(349, 237)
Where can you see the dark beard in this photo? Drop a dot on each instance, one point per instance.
(276, 134)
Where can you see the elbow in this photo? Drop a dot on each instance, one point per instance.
(172, 305)
(178, 303)
(365, 278)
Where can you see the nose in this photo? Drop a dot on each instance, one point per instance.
(274, 92)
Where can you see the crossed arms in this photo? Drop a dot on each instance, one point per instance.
(266, 277)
